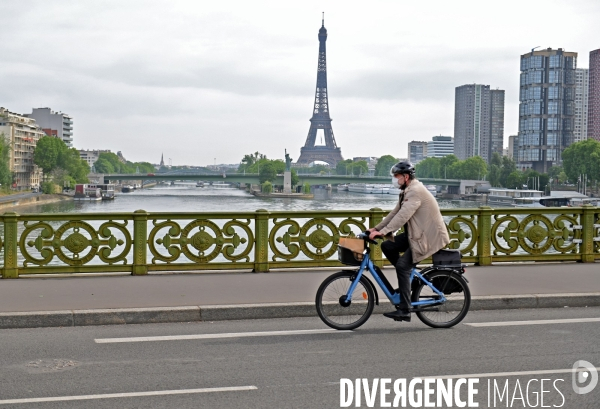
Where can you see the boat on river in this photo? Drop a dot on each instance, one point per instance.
(543, 201)
(369, 188)
(506, 197)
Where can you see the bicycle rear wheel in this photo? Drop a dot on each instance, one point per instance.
(332, 306)
(457, 303)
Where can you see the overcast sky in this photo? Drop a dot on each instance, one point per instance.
(205, 80)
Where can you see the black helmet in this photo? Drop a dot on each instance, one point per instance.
(404, 167)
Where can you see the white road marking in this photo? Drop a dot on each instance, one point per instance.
(217, 336)
(501, 374)
(536, 322)
(128, 395)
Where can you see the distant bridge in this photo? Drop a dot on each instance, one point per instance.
(252, 178)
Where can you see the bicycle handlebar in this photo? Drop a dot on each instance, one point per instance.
(365, 236)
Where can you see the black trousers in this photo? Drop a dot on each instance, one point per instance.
(403, 264)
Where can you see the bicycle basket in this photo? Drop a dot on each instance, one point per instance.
(350, 251)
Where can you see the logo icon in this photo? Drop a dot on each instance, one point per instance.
(584, 373)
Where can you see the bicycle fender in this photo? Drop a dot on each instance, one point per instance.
(369, 282)
(372, 288)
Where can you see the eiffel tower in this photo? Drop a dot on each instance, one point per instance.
(329, 152)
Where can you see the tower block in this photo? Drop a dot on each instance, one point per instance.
(329, 152)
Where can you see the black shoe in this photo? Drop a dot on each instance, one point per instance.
(398, 315)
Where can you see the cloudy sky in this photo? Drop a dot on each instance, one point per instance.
(213, 80)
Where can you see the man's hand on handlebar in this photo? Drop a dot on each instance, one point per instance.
(373, 234)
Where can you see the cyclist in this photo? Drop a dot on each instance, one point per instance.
(424, 231)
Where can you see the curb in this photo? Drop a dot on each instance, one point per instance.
(75, 318)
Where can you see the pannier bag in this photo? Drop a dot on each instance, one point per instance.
(447, 258)
(350, 251)
(446, 285)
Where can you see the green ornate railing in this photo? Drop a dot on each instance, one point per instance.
(140, 242)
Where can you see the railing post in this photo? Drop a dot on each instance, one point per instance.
(587, 234)
(140, 241)
(375, 218)
(484, 236)
(261, 241)
(11, 239)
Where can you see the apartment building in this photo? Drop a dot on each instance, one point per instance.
(23, 133)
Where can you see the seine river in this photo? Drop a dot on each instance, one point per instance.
(189, 198)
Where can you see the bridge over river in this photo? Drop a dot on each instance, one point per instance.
(253, 178)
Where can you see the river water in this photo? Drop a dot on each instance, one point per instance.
(186, 197)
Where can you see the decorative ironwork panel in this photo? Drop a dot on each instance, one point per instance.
(463, 234)
(201, 241)
(317, 238)
(74, 243)
(536, 234)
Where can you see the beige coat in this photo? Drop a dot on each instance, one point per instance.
(427, 231)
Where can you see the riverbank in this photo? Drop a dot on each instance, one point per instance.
(9, 203)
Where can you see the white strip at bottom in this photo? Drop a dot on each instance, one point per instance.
(534, 322)
(128, 395)
(217, 336)
(502, 374)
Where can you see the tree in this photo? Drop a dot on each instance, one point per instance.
(446, 166)
(514, 180)
(267, 172)
(102, 165)
(384, 164)
(46, 153)
(582, 158)
(358, 168)
(295, 178)
(342, 167)
(471, 168)
(428, 168)
(508, 167)
(494, 175)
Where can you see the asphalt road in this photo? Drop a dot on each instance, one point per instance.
(302, 370)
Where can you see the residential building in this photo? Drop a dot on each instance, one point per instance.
(417, 151)
(547, 108)
(581, 104)
(23, 133)
(593, 130)
(440, 146)
(91, 156)
(55, 123)
(478, 121)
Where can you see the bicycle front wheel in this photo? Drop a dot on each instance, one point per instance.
(457, 294)
(332, 306)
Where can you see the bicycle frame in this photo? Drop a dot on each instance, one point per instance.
(386, 287)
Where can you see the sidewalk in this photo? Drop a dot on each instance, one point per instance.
(212, 296)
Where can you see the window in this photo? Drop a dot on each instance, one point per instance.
(554, 76)
(553, 92)
(553, 108)
(555, 61)
(552, 124)
(552, 138)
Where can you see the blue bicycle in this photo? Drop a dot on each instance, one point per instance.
(440, 294)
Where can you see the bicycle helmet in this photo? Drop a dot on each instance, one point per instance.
(404, 167)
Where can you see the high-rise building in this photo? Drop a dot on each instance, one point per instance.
(581, 104)
(417, 151)
(478, 121)
(54, 123)
(593, 130)
(547, 108)
(512, 145)
(23, 134)
(440, 146)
